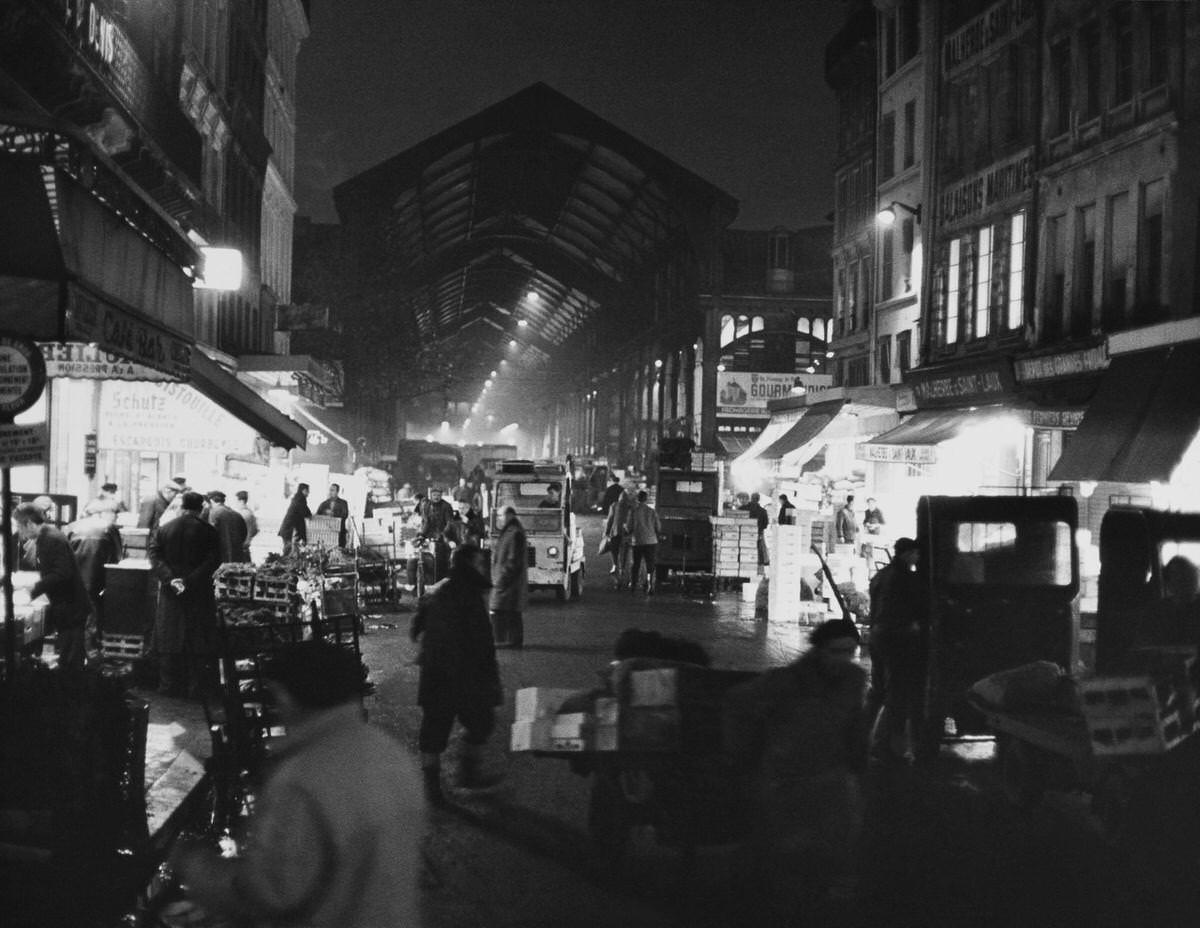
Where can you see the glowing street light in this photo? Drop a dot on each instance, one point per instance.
(222, 269)
(887, 216)
(533, 296)
(513, 343)
(521, 323)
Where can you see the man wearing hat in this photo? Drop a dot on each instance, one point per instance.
(896, 647)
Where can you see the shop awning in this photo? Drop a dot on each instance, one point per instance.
(765, 439)
(224, 389)
(328, 440)
(934, 426)
(804, 433)
(733, 445)
(1141, 421)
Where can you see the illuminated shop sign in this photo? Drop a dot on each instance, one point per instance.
(996, 24)
(122, 332)
(1068, 364)
(897, 454)
(963, 387)
(83, 361)
(168, 417)
(745, 394)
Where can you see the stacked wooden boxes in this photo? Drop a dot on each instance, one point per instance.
(735, 546)
(705, 460)
(1132, 715)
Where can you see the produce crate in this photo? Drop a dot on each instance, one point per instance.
(274, 588)
(1131, 715)
(234, 581)
(121, 647)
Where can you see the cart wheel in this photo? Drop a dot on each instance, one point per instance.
(610, 819)
(1110, 803)
(1022, 776)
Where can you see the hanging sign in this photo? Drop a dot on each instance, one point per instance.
(22, 375)
(24, 444)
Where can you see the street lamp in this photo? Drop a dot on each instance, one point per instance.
(887, 215)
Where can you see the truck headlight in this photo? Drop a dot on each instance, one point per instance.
(552, 551)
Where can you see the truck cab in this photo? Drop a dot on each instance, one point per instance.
(685, 501)
(554, 539)
(1001, 574)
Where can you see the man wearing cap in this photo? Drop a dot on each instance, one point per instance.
(151, 508)
(231, 529)
(896, 646)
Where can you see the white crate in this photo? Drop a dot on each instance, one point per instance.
(531, 735)
(539, 702)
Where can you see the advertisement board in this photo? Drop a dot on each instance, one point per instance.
(745, 394)
(172, 417)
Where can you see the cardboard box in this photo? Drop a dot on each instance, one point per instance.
(606, 738)
(539, 702)
(531, 735)
(570, 725)
(652, 687)
(569, 744)
(1131, 715)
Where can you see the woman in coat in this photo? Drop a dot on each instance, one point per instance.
(294, 529)
(510, 583)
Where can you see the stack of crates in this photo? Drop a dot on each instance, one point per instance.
(735, 546)
(1132, 715)
(705, 460)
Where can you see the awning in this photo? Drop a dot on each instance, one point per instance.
(766, 437)
(810, 426)
(327, 440)
(224, 389)
(934, 426)
(1141, 421)
(733, 445)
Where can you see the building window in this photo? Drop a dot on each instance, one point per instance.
(1089, 50)
(727, 335)
(887, 146)
(1158, 46)
(1150, 249)
(779, 251)
(907, 243)
(1056, 275)
(909, 24)
(883, 351)
(887, 288)
(868, 295)
(1084, 272)
(1060, 71)
(888, 22)
(952, 295)
(841, 297)
(1122, 21)
(852, 297)
(1118, 261)
(904, 351)
(840, 217)
(1016, 270)
(983, 282)
(756, 324)
(910, 133)
(858, 372)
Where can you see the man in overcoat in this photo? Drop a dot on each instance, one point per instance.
(510, 583)
(60, 580)
(231, 529)
(460, 678)
(184, 553)
(294, 527)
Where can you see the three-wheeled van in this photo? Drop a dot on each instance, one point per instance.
(540, 492)
(1001, 574)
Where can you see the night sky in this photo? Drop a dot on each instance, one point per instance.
(733, 90)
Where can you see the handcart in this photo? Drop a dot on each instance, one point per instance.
(1112, 750)
(663, 766)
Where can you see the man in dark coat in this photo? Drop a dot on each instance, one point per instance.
(184, 553)
(337, 507)
(95, 541)
(294, 529)
(510, 583)
(897, 646)
(152, 507)
(460, 678)
(231, 529)
(60, 580)
(761, 520)
(802, 730)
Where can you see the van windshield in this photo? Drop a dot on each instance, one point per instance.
(1023, 554)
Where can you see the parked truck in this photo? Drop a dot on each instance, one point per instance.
(686, 501)
(540, 492)
(423, 464)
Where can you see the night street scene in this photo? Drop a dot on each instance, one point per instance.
(600, 463)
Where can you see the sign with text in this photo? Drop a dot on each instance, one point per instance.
(745, 394)
(965, 201)
(22, 375)
(171, 417)
(983, 384)
(998, 23)
(897, 454)
(1067, 364)
(122, 332)
(24, 444)
(83, 361)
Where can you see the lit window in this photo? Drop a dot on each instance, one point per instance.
(952, 294)
(726, 330)
(983, 282)
(1016, 270)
